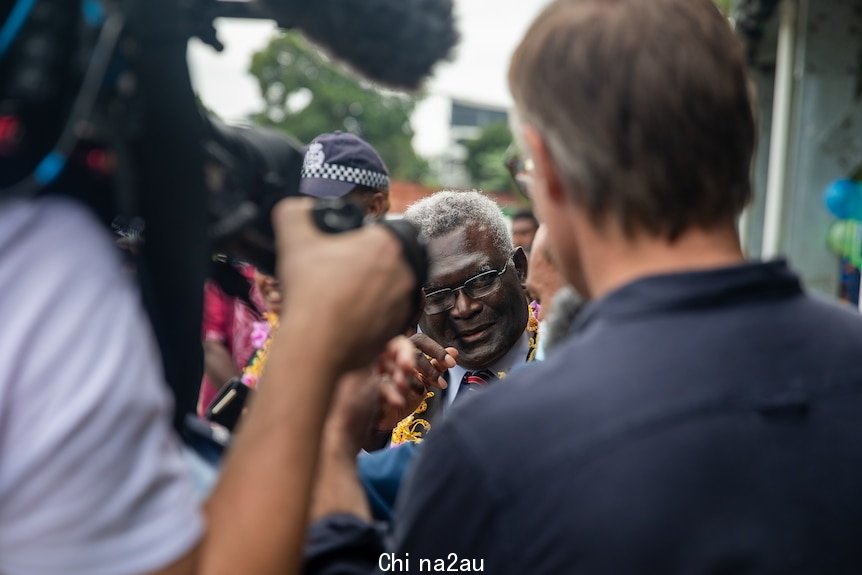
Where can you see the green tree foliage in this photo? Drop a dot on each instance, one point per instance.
(724, 6)
(486, 158)
(305, 94)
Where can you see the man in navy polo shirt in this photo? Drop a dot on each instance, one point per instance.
(704, 414)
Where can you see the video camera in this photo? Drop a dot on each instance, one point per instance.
(96, 103)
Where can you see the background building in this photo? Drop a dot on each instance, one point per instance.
(804, 57)
(453, 122)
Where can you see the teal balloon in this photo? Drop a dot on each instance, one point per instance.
(843, 199)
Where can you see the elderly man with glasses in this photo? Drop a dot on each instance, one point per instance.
(476, 326)
(474, 303)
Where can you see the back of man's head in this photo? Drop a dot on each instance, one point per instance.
(645, 108)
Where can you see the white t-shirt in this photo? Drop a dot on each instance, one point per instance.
(91, 475)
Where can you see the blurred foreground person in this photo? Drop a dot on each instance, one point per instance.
(92, 479)
(703, 415)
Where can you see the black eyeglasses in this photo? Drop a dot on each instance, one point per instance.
(476, 287)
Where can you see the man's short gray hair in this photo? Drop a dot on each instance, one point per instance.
(446, 211)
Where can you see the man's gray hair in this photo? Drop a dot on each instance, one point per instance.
(446, 211)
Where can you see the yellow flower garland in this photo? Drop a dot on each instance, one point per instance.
(412, 428)
(252, 372)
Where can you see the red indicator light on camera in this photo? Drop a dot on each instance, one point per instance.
(100, 162)
(10, 134)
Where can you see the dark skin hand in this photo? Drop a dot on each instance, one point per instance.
(432, 360)
(360, 397)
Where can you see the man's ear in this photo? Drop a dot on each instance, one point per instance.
(378, 205)
(519, 257)
(543, 165)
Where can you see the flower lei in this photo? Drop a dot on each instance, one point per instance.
(261, 338)
(412, 428)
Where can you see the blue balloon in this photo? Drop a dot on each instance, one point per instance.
(844, 199)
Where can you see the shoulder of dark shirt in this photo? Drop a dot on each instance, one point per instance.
(616, 376)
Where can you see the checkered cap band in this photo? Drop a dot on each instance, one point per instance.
(356, 176)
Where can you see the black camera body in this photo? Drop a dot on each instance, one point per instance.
(78, 105)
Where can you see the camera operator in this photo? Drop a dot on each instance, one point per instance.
(91, 475)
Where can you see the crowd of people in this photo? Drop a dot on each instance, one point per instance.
(607, 386)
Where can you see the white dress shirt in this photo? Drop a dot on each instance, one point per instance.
(513, 358)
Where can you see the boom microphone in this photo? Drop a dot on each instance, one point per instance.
(394, 42)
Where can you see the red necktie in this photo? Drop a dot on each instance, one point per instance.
(480, 377)
(474, 381)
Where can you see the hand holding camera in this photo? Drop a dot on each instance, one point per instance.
(376, 284)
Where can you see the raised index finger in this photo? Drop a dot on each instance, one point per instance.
(434, 351)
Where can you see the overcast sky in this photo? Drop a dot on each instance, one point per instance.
(490, 30)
